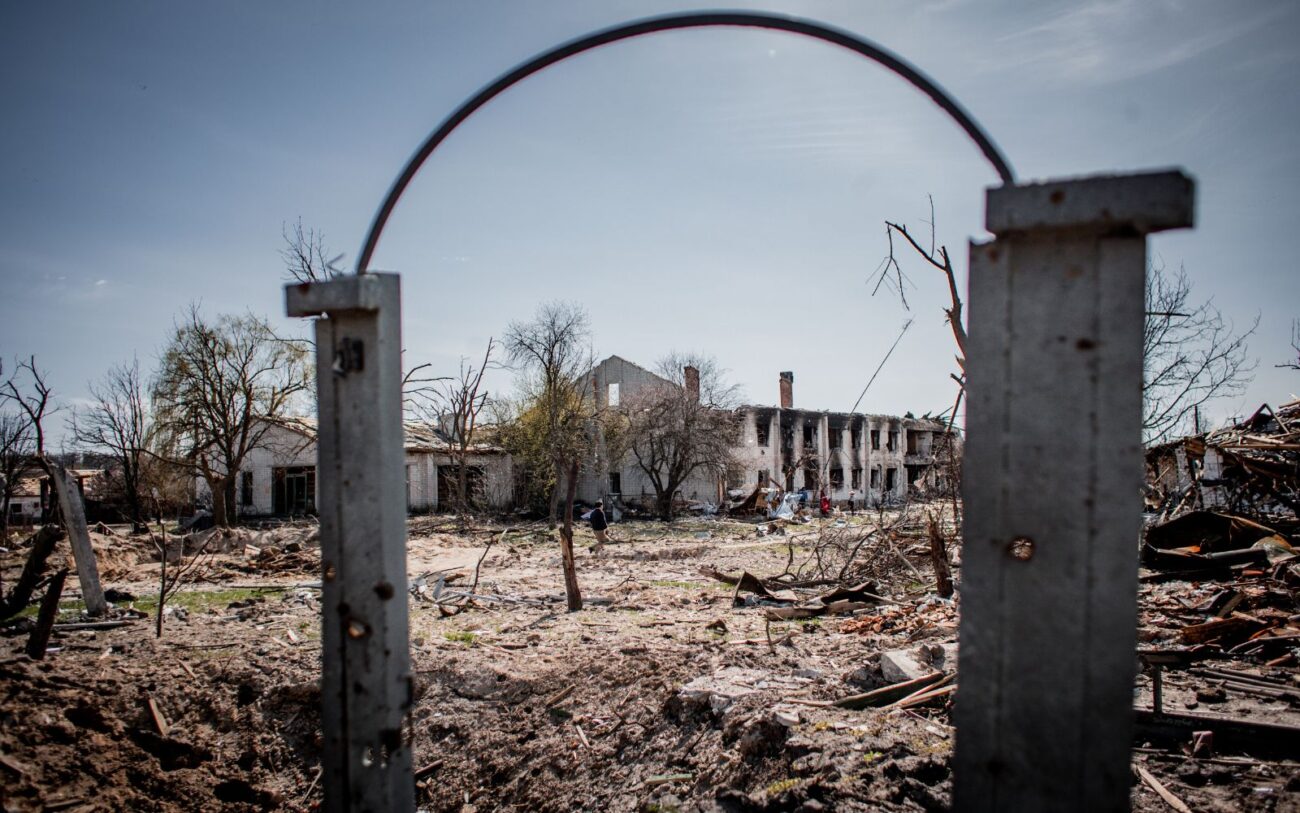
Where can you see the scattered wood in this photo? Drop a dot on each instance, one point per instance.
(14, 765)
(559, 697)
(889, 694)
(1163, 792)
(656, 781)
(159, 721)
(421, 773)
(92, 625)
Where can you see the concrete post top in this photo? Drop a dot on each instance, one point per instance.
(359, 292)
(1140, 203)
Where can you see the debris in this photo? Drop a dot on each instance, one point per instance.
(904, 665)
(40, 637)
(1162, 791)
(889, 694)
(159, 721)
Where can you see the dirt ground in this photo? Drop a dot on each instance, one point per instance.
(658, 696)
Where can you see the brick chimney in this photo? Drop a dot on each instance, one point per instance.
(787, 390)
(692, 376)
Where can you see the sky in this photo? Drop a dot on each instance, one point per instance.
(718, 191)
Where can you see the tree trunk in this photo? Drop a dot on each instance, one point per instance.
(571, 591)
(665, 505)
(462, 480)
(49, 613)
(42, 546)
(939, 558)
(555, 499)
(217, 487)
(232, 507)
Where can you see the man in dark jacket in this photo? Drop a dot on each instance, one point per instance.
(598, 526)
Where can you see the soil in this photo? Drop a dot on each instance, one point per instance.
(659, 695)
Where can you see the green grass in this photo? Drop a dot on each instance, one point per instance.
(190, 600)
(780, 786)
(460, 636)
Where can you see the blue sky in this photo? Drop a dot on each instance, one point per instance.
(722, 191)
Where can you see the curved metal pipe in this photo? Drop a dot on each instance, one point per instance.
(674, 22)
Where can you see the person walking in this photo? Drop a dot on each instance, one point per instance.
(598, 526)
(852, 494)
(824, 503)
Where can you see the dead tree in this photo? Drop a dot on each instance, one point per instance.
(1191, 355)
(457, 405)
(36, 402)
(16, 450)
(681, 428)
(221, 386)
(1295, 348)
(305, 257)
(572, 593)
(116, 422)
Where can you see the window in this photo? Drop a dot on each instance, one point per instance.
(246, 488)
(763, 476)
(15, 510)
(875, 478)
(611, 394)
(615, 482)
(293, 490)
(857, 478)
(810, 477)
(837, 478)
(875, 440)
(762, 428)
(807, 434)
(891, 478)
(893, 440)
(855, 435)
(911, 441)
(837, 438)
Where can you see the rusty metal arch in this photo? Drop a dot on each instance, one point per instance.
(673, 22)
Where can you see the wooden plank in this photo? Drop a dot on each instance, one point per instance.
(74, 519)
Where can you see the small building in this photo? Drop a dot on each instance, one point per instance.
(278, 477)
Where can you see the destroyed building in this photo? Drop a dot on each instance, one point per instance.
(877, 458)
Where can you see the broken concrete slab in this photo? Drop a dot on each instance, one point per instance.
(910, 664)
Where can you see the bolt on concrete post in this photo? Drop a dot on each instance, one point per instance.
(366, 689)
(1053, 472)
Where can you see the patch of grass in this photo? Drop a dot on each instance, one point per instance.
(808, 622)
(460, 637)
(780, 786)
(871, 756)
(197, 601)
(682, 585)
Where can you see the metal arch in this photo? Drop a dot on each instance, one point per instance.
(674, 22)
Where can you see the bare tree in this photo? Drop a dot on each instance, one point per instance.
(305, 256)
(457, 405)
(1192, 355)
(553, 355)
(222, 384)
(1295, 348)
(116, 424)
(678, 429)
(16, 450)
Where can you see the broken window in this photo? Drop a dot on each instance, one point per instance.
(809, 477)
(891, 478)
(857, 478)
(855, 435)
(875, 440)
(875, 478)
(837, 478)
(837, 438)
(762, 428)
(611, 395)
(911, 441)
(763, 477)
(808, 434)
(246, 488)
(893, 440)
(615, 482)
(293, 490)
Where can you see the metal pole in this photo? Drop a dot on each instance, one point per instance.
(366, 689)
(1053, 471)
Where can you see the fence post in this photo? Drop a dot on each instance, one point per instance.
(366, 688)
(1053, 472)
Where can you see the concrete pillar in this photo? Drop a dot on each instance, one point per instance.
(366, 688)
(1053, 470)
